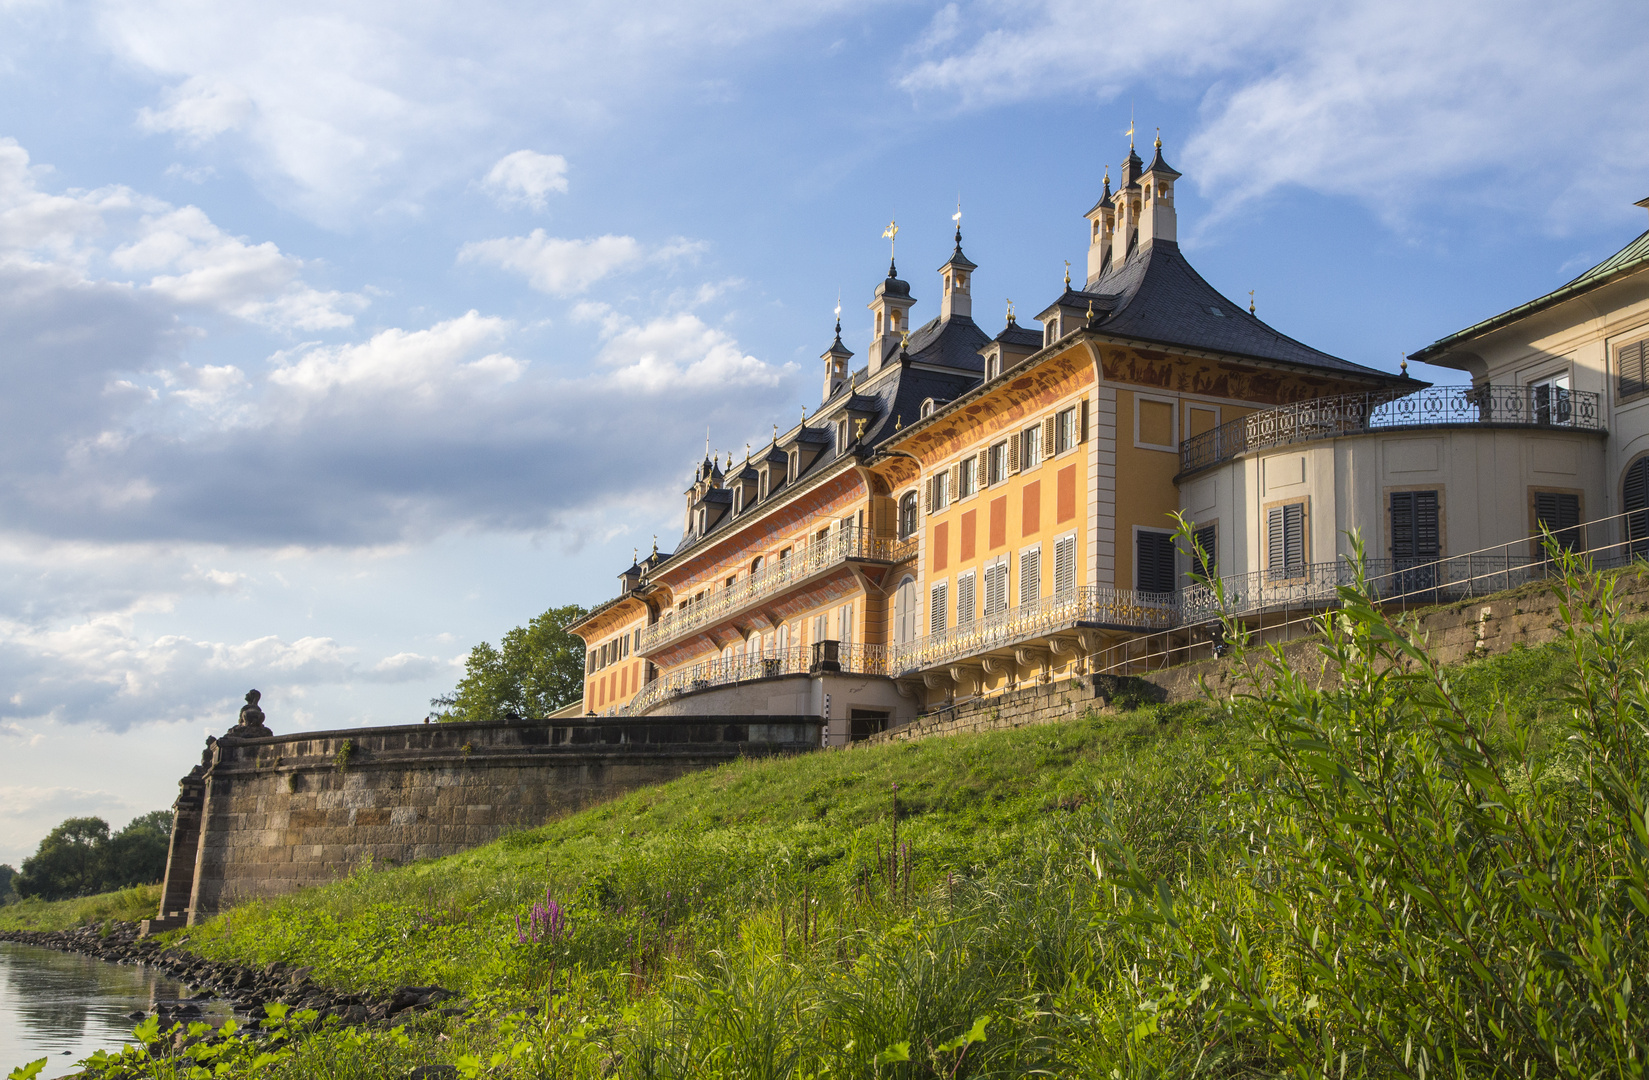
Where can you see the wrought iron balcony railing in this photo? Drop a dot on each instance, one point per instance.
(844, 544)
(1092, 605)
(1354, 414)
(800, 660)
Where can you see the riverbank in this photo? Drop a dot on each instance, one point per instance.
(1141, 892)
(247, 989)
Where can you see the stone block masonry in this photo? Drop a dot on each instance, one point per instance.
(266, 816)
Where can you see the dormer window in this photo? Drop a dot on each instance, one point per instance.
(761, 483)
(795, 464)
(841, 436)
(927, 408)
(738, 498)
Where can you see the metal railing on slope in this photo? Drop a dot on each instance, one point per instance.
(1354, 414)
(845, 657)
(1393, 582)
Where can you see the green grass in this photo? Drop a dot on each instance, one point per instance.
(1135, 894)
(124, 905)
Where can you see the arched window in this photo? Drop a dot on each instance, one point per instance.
(904, 612)
(1635, 501)
(907, 515)
(756, 564)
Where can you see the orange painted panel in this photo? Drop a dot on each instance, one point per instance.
(999, 522)
(1030, 516)
(1065, 494)
(970, 522)
(941, 545)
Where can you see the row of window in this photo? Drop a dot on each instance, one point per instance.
(997, 576)
(611, 652)
(1023, 452)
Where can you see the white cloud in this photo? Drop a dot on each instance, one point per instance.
(200, 108)
(177, 253)
(423, 364)
(525, 177)
(553, 265)
(675, 352)
(1408, 105)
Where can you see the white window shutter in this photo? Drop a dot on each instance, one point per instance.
(1030, 576)
(956, 480)
(937, 608)
(1013, 454)
(1048, 438)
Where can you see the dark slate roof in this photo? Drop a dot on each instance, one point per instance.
(957, 259)
(1158, 297)
(1014, 334)
(1159, 165)
(1081, 299)
(891, 285)
(941, 361)
(1632, 257)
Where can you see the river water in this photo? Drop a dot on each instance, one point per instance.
(64, 1006)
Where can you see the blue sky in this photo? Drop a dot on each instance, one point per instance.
(339, 338)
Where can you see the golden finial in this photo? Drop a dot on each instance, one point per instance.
(1251, 301)
(1130, 131)
(904, 339)
(891, 235)
(1010, 309)
(859, 428)
(898, 423)
(1405, 367)
(655, 545)
(635, 555)
(775, 433)
(1090, 310)
(1067, 273)
(747, 451)
(1159, 138)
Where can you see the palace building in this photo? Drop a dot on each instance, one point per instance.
(964, 515)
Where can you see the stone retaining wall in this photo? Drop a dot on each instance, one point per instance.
(272, 815)
(1454, 632)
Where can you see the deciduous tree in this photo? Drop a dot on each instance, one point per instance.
(535, 670)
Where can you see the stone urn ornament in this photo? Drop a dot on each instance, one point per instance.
(250, 725)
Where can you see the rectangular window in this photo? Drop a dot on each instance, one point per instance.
(844, 627)
(1414, 532)
(1285, 541)
(1559, 511)
(1065, 430)
(939, 605)
(637, 645)
(940, 497)
(1206, 562)
(1153, 561)
(967, 477)
(965, 599)
(996, 587)
(998, 463)
(1030, 576)
(589, 663)
(1030, 448)
(1065, 565)
(1632, 368)
(624, 647)
(841, 436)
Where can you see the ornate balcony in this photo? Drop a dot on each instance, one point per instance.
(840, 657)
(1092, 606)
(1356, 414)
(807, 560)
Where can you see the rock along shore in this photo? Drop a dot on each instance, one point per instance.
(247, 989)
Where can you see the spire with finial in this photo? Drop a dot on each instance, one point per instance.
(891, 235)
(1251, 301)
(957, 217)
(956, 277)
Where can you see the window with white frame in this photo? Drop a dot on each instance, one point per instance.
(996, 586)
(939, 491)
(938, 607)
(908, 515)
(965, 598)
(844, 620)
(967, 477)
(841, 436)
(1065, 430)
(998, 463)
(1065, 564)
(1030, 448)
(1030, 575)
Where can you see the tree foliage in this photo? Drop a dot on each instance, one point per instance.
(535, 670)
(80, 857)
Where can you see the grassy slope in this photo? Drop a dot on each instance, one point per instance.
(125, 905)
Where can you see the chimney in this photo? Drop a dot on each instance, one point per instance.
(1157, 221)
